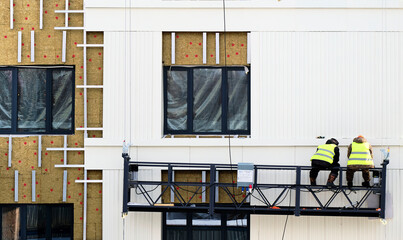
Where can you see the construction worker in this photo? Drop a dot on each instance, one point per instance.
(326, 157)
(359, 158)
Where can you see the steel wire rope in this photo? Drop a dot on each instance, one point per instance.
(286, 220)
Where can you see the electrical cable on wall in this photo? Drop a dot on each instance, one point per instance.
(225, 70)
(286, 219)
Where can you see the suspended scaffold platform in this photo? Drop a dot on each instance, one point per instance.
(261, 197)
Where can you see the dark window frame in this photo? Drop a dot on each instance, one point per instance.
(189, 226)
(190, 99)
(48, 218)
(49, 117)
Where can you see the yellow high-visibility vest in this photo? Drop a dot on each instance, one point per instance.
(325, 153)
(360, 154)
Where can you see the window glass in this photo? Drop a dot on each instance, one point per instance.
(176, 218)
(205, 219)
(237, 226)
(62, 103)
(206, 227)
(207, 100)
(237, 220)
(5, 98)
(10, 229)
(36, 222)
(32, 100)
(177, 233)
(177, 100)
(206, 234)
(238, 98)
(62, 219)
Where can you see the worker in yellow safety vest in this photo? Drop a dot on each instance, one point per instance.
(326, 157)
(359, 158)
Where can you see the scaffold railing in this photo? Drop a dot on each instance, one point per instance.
(263, 197)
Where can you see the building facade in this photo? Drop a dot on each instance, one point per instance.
(309, 69)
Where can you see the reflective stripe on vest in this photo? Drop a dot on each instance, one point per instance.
(360, 154)
(325, 153)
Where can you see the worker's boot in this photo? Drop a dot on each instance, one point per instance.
(365, 184)
(313, 181)
(350, 184)
(330, 181)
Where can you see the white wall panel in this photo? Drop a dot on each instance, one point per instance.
(244, 16)
(114, 86)
(146, 88)
(339, 84)
(138, 226)
(112, 199)
(132, 104)
(304, 85)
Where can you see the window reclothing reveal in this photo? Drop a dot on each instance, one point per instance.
(238, 96)
(31, 100)
(36, 222)
(10, 228)
(207, 104)
(201, 226)
(37, 100)
(5, 99)
(177, 100)
(207, 100)
(62, 217)
(62, 103)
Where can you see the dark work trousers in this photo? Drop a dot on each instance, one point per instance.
(351, 169)
(318, 165)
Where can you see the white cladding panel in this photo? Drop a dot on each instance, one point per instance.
(303, 85)
(132, 86)
(137, 226)
(334, 84)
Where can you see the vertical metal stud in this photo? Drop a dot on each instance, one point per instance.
(217, 175)
(213, 189)
(32, 46)
(85, 81)
(85, 203)
(173, 39)
(203, 187)
(66, 15)
(39, 151)
(65, 185)
(204, 48)
(64, 46)
(248, 48)
(85, 122)
(172, 192)
(10, 149)
(33, 186)
(65, 151)
(41, 14)
(217, 48)
(19, 46)
(11, 14)
(16, 186)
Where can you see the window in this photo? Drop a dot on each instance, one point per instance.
(202, 226)
(34, 221)
(206, 100)
(37, 100)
